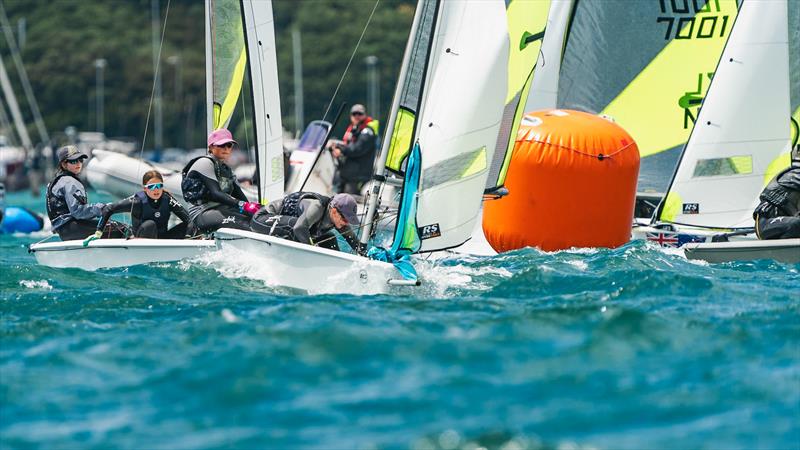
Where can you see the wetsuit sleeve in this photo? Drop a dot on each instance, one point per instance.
(790, 180)
(361, 146)
(239, 193)
(313, 212)
(178, 209)
(124, 205)
(350, 237)
(75, 196)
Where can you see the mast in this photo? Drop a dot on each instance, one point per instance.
(209, 68)
(16, 115)
(23, 76)
(380, 172)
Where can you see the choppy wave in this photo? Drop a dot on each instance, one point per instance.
(633, 347)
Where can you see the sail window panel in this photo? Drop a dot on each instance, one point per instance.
(411, 93)
(229, 56)
(729, 166)
(400, 144)
(455, 168)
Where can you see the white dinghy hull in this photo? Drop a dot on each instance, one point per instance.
(783, 250)
(109, 253)
(312, 269)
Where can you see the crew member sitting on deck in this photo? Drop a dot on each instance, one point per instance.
(150, 210)
(309, 218)
(70, 212)
(778, 214)
(210, 186)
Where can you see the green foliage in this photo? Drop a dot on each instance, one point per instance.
(65, 37)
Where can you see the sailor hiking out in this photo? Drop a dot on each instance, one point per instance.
(150, 210)
(210, 186)
(68, 207)
(778, 214)
(309, 218)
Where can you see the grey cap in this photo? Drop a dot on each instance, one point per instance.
(358, 108)
(346, 205)
(70, 152)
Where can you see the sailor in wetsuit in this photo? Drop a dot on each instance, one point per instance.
(309, 218)
(211, 187)
(150, 210)
(70, 212)
(778, 214)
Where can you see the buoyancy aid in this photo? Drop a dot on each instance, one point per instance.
(159, 215)
(779, 200)
(291, 206)
(56, 204)
(350, 136)
(194, 190)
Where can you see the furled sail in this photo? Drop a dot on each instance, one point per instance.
(527, 21)
(263, 71)
(742, 128)
(226, 60)
(647, 64)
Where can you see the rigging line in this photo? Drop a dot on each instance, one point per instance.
(352, 55)
(152, 91)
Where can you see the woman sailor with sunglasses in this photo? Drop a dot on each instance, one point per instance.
(68, 207)
(211, 187)
(150, 211)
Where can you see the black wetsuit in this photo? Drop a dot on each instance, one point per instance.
(302, 217)
(216, 198)
(150, 218)
(778, 214)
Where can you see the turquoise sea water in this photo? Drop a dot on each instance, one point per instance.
(628, 348)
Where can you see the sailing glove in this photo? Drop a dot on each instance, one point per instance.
(249, 207)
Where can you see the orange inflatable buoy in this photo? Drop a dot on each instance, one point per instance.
(571, 182)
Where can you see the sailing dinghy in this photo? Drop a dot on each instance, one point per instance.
(742, 139)
(783, 250)
(441, 135)
(244, 33)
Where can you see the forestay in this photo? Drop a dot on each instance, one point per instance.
(742, 129)
(647, 64)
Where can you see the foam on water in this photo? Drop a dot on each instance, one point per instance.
(625, 348)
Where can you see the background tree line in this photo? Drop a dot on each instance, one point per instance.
(64, 38)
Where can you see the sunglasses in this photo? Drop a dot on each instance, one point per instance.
(75, 161)
(357, 114)
(152, 186)
(226, 145)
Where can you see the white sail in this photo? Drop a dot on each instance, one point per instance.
(460, 119)
(544, 90)
(263, 65)
(743, 125)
